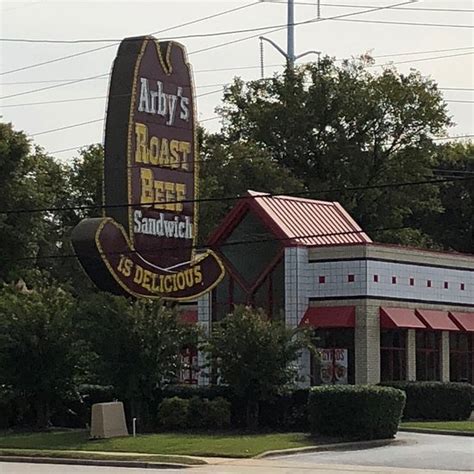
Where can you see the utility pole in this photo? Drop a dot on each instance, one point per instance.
(290, 35)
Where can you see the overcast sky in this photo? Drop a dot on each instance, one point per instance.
(95, 19)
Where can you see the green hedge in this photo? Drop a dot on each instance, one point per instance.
(196, 413)
(355, 411)
(435, 400)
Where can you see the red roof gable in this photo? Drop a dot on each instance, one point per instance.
(296, 221)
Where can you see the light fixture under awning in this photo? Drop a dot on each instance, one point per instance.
(403, 318)
(329, 317)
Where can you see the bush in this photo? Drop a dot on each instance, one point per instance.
(173, 413)
(287, 411)
(209, 392)
(355, 411)
(218, 413)
(198, 413)
(435, 400)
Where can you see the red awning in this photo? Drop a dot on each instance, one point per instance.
(464, 320)
(330, 317)
(438, 320)
(190, 316)
(393, 318)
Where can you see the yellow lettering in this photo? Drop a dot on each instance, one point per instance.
(146, 178)
(154, 152)
(141, 149)
(138, 275)
(180, 196)
(197, 275)
(164, 153)
(185, 149)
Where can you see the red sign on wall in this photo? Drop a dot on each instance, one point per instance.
(145, 246)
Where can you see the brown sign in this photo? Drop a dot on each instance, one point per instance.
(145, 246)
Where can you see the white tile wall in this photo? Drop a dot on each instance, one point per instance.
(298, 284)
(204, 321)
(336, 284)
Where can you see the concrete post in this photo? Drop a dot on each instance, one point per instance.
(367, 344)
(411, 354)
(444, 357)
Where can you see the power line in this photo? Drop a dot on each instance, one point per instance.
(81, 99)
(188, 36)
(78, 147)
(340, 5)
(225, 244)
(313, 20)
(80, 124)
(192, 22)
(67, 127)
(233, 198)
(238, 68)
(248, 67)
(407, 23)
(53, 86)
(205, 35)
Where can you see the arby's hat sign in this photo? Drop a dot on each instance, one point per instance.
(145, 243)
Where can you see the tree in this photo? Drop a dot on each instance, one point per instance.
(229, 170)
(137, 344)
(341, 126)
(453, 228)
(255, 356)
(38, 358)
(29, 179)
(83, 198)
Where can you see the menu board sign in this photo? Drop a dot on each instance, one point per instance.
(145, 245)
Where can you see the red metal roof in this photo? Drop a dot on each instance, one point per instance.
(329, 317)
(393, 318)
(464, 320)
(297, 221)
(438, 320)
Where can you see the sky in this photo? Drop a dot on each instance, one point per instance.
(440, 45)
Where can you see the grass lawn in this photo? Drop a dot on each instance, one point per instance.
(196, 444)
(441, 425)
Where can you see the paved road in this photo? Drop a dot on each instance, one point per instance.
(421, 451)
(418, 454)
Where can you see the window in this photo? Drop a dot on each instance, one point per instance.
(412, 282)
(376, 278)
(462, 286)
(427, 355)
(394, 280)
(350, 278)
(337, 338)
(393, 355)
(446, 285)
(322, 279)
(428, 283)
(461, 357)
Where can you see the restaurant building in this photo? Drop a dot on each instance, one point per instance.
(378, 312)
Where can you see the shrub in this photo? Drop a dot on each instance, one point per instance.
(198, 412)
(355, 411)
(287, 411)
(435, 400)
(173, 413)
(218, 414)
